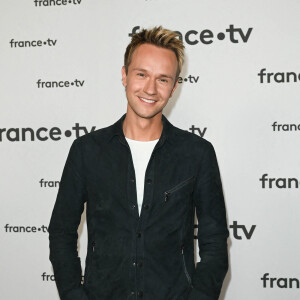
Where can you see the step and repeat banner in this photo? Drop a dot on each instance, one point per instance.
(240, 89)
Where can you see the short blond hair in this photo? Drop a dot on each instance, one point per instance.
(160, 37)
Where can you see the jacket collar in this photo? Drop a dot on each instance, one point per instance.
(117, 129)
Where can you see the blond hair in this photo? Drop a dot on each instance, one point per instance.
(159, 37)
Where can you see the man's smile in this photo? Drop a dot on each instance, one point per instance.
(147, 100)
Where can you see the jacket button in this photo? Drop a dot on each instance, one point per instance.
(138, 234)
(149, 181)
(146, 206)
(133, 206)
(140, 293)
(132, 180)
(140, 264)
(134, 264)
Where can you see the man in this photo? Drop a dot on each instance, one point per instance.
(142, 179)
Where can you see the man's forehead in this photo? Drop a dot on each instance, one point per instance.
(155, 55)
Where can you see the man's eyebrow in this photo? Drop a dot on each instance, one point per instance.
(168, 76)
(139, 69)
(161, 75)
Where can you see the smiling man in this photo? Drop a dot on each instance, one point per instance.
(142, 180)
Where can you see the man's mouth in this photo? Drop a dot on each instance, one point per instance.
(147, 100)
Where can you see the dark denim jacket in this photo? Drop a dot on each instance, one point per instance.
(150, 256)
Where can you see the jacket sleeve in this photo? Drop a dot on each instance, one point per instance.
(212, 230)
(63, 227)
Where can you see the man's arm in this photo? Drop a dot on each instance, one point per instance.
(212, 231)
(63, 227)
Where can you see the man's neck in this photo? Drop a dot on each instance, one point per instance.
(142, 129)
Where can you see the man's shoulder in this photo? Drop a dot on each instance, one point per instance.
(185, 137)
(97, 136)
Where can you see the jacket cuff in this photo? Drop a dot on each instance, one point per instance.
(198, 295)
(76, 294)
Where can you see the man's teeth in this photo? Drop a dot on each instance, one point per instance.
(148, 101)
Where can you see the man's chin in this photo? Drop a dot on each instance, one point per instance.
(147, 115)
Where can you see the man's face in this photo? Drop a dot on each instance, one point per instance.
(150, 81)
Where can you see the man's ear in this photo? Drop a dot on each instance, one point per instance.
(173, 89)
(124, 76)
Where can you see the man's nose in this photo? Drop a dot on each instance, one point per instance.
(150, 86)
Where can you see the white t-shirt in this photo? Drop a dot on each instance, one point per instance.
(140, 152)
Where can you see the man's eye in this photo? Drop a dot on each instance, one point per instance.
(163, 80)
(141, 74)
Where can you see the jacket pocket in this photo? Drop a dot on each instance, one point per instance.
(188, 277)
(177, 187)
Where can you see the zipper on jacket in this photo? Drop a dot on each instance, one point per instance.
(184, 267)
(167, 196)
(175, 188)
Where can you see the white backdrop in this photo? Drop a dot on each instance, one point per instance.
(228, 43)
